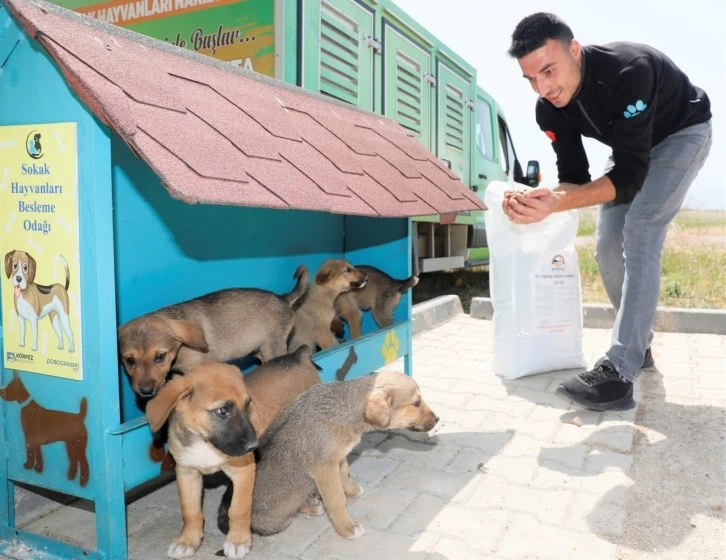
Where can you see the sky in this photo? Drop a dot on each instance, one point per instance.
(694, 38)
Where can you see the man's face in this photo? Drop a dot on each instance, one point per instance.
(554, 71)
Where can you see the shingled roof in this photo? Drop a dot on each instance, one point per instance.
(217, 134)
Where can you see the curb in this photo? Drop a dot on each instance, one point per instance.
(667, 319)
(434, 312)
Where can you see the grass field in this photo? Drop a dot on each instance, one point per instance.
(693, 268)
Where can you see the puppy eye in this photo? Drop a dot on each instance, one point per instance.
(417, 404)
(160, 357)
(130, 362)
(222, 411)
(25, 267)
(349, 269)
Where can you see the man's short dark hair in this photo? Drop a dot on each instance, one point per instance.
(535, 30)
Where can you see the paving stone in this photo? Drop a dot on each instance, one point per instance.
(591, 515)
(495, 492)
(380, 508)
(517, 470)
(603, 461)
(553, 476)
(489, 390)
(453, 486)
(293, 541)
(515, 409)
(525, 446)
(490, 442)
(479, 529)
(525, 394)
(433, 456)
(432, 384)
(466, 419)
(369, 472)
(375, 544)
(456, 550)
(526, 536)
(610, 486)
(712, 380)
(468, 460)
(449, 399)
(540, 430)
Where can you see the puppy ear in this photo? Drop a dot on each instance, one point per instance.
(189, 334)
(9, 263)
(31, 268)
(379, 407)
(323, 276)
(158, 408)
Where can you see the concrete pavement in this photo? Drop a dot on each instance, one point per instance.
(510, 472)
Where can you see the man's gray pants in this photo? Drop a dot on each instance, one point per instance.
(629, 241)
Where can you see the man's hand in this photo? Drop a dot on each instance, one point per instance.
(528, 206)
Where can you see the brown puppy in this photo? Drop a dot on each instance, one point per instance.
(380, 295)
(35, 301)
(215, 417)
(315, 309)
(307, 445)
(218, 327)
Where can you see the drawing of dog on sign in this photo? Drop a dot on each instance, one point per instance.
(35, 301)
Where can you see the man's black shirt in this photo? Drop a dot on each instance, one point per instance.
(631, 97)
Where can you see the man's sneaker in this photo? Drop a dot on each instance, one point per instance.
(648, 361)
(599, 389)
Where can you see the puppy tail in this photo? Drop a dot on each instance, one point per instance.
(301, 274)
(84, 408)
(407, 284)
(68, 272)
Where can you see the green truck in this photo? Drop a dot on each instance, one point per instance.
(366, 52)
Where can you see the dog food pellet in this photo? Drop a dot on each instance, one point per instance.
(575, 421)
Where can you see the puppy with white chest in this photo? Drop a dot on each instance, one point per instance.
(315, 309)
(303, 453)
(36, 301)
(218, 327)
(215, 418)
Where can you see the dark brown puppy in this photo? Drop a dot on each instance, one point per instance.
(380, 295)
(218, 327)
(215, 418)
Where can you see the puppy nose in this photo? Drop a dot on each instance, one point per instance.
(251, 446)
(19, 278)
(147, 390)
(436, 418)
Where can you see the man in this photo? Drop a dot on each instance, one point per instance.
(634, 99)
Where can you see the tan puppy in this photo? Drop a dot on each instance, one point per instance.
(35, 301)
(215, 417)
(304, 450)
(381, 294)
(315, 309)
(218, 327)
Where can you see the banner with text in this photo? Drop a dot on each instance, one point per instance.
(39, 241)
(241, 32)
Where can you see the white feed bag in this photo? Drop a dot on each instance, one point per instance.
(534, 279)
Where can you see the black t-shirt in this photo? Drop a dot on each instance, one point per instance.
(631, 97)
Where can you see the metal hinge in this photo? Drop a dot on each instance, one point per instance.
(469, 103)
(372, 43)
(430, 79)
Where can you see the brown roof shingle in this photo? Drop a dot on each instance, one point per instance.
(216, 134)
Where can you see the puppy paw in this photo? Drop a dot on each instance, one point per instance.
(353, 489)
(236, 551)
(357, 532)
(312, 507)
(178, 550)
